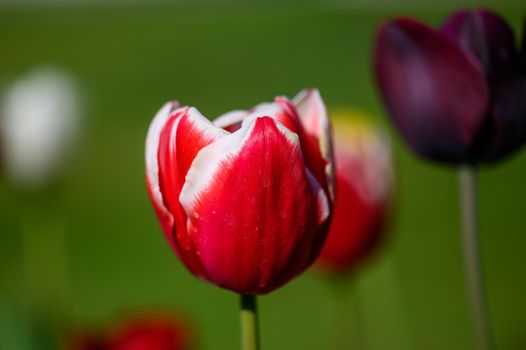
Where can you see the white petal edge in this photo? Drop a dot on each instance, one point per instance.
(230, 118)
(323, 201)
(153, 138)
(205, 125)
(265, 109)
(315, 119)
(152, 147)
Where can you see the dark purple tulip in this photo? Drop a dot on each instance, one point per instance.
(458, 94)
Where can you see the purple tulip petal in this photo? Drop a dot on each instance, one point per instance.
(522, 56)
(487, 36)
(507, 126)
(435, 91)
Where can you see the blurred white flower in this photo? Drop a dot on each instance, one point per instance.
(39, 123)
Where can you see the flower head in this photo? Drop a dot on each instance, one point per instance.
(456, 94)
(39, 123)
(244, 201)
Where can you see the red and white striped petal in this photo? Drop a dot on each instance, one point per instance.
(152, 166)
(317, 125)
(312, 112)
(317, 150)
(231, 121)
(250, 203)
(182, 137)
(284, 111)
(276, 111)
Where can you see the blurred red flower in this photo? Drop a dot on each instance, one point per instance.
(364, 185)
(151, 332)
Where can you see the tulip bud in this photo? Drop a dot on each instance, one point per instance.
(457, 95)
(364, 179)
(39, 122)
(244, 201)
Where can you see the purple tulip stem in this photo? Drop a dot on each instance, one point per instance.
(473, 261)
(249, 323)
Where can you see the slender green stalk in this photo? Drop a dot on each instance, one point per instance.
(44, 255)
(473, 262)
(44, 264)
(348, 322)
(249, 323)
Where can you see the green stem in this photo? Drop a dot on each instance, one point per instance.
(45, 260)
(473, 261)
(349, 331)
(249, 323)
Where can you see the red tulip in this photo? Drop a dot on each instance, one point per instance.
(458, 94)
(364, 180)
(245, 201)
(149, 333)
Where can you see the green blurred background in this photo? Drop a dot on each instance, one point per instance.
(131, 57)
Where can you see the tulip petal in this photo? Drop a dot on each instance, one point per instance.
(316, 122)
(522, 55)
(487, 36)
(509, 110)
(315, 140)
(435, 91)
(280, 111)
(231, 121)
(506, 130)
(285, 112)
(152, 166)
(251, 203)
(183, 136)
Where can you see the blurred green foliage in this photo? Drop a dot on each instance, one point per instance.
(130, 60)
